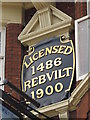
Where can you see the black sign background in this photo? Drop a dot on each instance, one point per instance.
(67, 61)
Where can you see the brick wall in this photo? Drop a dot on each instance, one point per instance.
(13, 56)
(83, 106)
(14, 51)
(75, 10)
(72, 115)
(67, 7)
(80, 9)
(29, 14)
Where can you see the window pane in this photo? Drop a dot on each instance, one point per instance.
(88, 7)
(2, 54)
(0, 42)
(1, 72)
(83, 49)
(89, 44)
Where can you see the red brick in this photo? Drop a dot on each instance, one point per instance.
(28, 14)
(13, 55)
(67, 7)
(83, 106)
(72, 115)
(80, 9)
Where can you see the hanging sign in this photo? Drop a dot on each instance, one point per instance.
(47, 73)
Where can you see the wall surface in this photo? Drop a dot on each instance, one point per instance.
(67, 7)
(84, 106)
(12, 13)
(13, 55)
(80, 9)
(15, 51)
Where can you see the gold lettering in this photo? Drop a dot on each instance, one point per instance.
(56, 87)
(26, 65)
(50, 77)
(57, 61)
(39, 93)
(34, 57)
(60, 74)
(61, 49)
(68, 50)
(42, 79)
(47, 90)
(48, 51)
(41, 53)
(56, 74)
(67, 71)
(31, 61)
(55, 48)
(27, 84)
(33, 95)
(34, 82)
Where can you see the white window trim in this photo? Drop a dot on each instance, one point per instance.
(3, 41)
(2, 54)
(88, 12)
(76, 46)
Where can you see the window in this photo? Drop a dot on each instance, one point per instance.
(2, 54)
(88, 7)
(0, 42)
(82, 42)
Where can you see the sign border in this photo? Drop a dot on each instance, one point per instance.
(65, 41)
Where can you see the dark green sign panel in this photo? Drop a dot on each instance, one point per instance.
(47, 73)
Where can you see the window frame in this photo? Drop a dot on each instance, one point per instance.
(77, 46)
(3, 40)
(88, 7)
(2, 54)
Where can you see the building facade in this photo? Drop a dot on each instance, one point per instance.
(24, 24)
